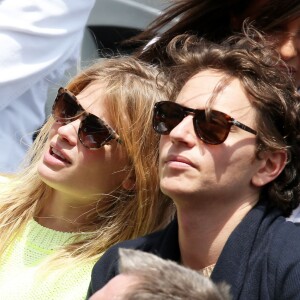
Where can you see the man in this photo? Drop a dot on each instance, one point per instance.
(229, 159)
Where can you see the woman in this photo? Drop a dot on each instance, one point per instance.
(90, 181)
(216, 20)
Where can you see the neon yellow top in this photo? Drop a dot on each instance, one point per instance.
(18, 278)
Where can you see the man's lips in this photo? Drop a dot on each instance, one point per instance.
(179, 159)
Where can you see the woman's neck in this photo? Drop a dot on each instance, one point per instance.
(61, 213)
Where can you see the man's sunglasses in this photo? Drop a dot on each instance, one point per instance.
(93, 132)
(212, 128)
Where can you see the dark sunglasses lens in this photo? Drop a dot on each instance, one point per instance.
(167, 115)
(212, 129)
(65, 107)
(93, 133)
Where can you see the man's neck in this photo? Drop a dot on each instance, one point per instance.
(204, 232)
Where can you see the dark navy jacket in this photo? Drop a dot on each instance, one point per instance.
(260, 260)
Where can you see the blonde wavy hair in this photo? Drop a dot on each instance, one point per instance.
(131, 89)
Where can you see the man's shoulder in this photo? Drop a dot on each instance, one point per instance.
(107, 266)
(283, 260)
(144, 243)
(287, 236)
(148, 243)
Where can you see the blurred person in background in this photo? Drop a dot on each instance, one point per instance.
(91, 181)
(41, 40)
(216, 20)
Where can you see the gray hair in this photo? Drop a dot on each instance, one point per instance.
(160, 279)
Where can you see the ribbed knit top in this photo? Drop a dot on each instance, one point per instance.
(19, 278)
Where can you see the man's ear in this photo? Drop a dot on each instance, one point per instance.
(272, 164)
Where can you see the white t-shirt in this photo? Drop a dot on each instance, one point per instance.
(40, 40)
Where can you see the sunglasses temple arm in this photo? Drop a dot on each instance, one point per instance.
(118, 139)
(243, 126)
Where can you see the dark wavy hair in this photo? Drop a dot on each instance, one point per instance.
(214, 20)
(265, 79)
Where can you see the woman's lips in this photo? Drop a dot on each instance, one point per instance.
(59, 155)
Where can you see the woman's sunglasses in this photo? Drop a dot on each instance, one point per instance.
(212, 128)
(93, 132)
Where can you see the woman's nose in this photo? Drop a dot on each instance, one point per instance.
(289, 47)
(68, 131)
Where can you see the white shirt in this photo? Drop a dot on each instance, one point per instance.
(40, 40)
(295, 216)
